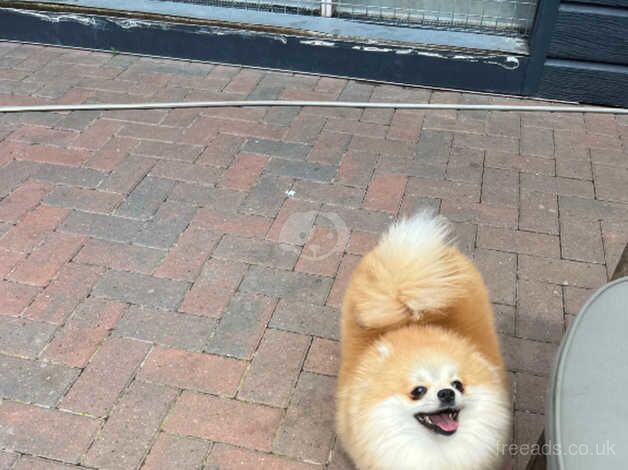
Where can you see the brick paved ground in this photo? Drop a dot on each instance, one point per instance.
(171, 279)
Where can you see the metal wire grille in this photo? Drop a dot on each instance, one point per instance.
(504, 17)
(498, 16)
(296, 7)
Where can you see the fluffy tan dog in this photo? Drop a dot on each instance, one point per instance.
(422, 384)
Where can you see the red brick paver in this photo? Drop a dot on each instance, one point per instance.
(170, 281)
(220, 419)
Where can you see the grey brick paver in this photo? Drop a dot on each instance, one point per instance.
(124, 440)
(23, 337)
(223, 199)
(241, 326)
(167, 328)
(277, 149)
(101, 226)
(83, 177)
(127, 174)
(13, 173)
(34, 382)
(335, 194)
(301, 170)
(307, 431)
(267, 196)
(308, 319)
(163, 230)
(83, 199)
(141, 289)
(434, 146)
(287, 285)
(252, 251)
(146, 198)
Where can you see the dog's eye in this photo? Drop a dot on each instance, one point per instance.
(457, 384)
(418, 392)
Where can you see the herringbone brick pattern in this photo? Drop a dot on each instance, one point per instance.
(170, 280)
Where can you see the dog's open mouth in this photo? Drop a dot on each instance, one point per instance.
(443, 422)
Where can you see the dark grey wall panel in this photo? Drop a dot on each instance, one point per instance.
(585, 82)
(590, 33)
(610, 3)
(540, 36)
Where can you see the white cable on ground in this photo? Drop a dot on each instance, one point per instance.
(325, 104)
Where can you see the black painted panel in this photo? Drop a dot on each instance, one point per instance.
(585, 82)
(544, 21)
(610, 3)
(596, 34)
(446, 69)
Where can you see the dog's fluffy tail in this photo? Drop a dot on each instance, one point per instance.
(414, 270)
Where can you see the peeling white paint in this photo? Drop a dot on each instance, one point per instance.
(57, 18)
(509, 63)
(431, 54)
(275, 37)
(371, 49)
(131, 23)
(514, 61)
(319, 43)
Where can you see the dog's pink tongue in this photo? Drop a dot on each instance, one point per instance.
(445, 422)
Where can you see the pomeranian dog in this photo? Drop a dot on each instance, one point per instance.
(422, 385)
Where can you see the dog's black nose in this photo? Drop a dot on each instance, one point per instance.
(446, 396)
